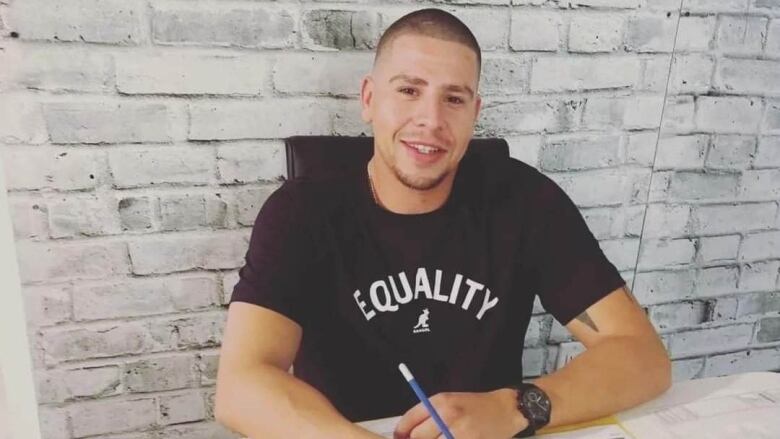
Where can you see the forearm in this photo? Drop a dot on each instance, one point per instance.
(616, 374)
(267, 402)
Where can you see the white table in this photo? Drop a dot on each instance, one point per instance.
(745, 406)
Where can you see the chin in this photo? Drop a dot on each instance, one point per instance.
(420, 182)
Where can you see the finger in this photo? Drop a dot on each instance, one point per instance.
(427, 430)
(411, 419)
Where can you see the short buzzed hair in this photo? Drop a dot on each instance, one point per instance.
(434, 23)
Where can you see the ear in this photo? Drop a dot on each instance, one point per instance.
(366, 97)
(479, 107)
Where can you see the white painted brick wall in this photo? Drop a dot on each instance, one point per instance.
(140, 139)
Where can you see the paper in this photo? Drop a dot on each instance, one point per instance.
(383, 427)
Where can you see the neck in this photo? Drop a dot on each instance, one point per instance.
(396, 197)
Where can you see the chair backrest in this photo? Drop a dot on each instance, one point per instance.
(323, 156)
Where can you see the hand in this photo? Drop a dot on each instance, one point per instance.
(489, 415)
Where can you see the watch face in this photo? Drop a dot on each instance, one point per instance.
(538, 404)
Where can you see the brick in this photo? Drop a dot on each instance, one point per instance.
(758, 304)
(759, 276)
(90, 215)
(325, 73)
(643, 112)
(64, 261)
(22, 118)
(336, 29)
(568, 154)
(760, 185)
(256, 26)
(679, 114)
(491, 26)
(140, 297)
(695, 33)
(525, 148)
(741, 34)
(199, 331)
(29, 217)
(533, 362)
(773, 38)
(54, 423)
(728, 114)
(634, 220)
(659, 186)
(536, 327)
(210, 430)
(192, 211)
(142, 166)
(345, 116)
(108, 122)
(622, 253)
(731, 152)
(685, 370)
(535, 31)
(771, 123)
(47, 304)
(251, 162)
(567, 351)
(624, 4)
(64, 385)
(578, 187)
(208, 365)
(604, 112)
(719, 248)
(573, 74)
(54, 168)
(648, 33)
(56, 69)
(759, 246)
(768, 154)
(159, 374)
(504, 75)
(710, 6)
(136, 213)
(678, 315)
(107, 340)
(710, 340)
(600, 221)
(768, 330)
(595, 33)
(655, 72)
(181, 252)
(113, 416)
(112, 21)
(663, 286)
(733, 218)
(755, 360)
(181, 408)
(249, 201)
(191, 74)
(501, 118)
(691, 73)
(268, 119)
(716, 281)
(559, 333)
(229, 281)
(666, 221)
(664, 253)
(722, 309)
(640, 148)
(747, 76)
(692, 186)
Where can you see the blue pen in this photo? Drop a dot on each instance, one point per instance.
(424, 399)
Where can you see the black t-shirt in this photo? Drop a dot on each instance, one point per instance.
(449, 293)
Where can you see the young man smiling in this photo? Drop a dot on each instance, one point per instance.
(432, 257)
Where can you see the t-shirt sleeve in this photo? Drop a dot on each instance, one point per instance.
(571, 271)
(279, 260)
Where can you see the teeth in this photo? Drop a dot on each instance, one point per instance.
(424, 149)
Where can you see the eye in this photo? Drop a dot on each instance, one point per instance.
(455, 100)
(407, 91)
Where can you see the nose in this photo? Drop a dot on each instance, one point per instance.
(430, 113)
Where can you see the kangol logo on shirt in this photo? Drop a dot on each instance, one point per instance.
(388, 295)
(422, 323)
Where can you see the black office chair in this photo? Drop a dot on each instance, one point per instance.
(324, 156)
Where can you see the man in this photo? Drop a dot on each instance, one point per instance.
(432, 257)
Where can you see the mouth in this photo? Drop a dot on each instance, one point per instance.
(424, 154)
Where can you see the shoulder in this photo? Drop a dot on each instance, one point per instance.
(306, 198)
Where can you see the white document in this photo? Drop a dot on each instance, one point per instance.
(383, 427)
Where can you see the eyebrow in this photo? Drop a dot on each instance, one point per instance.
(419, 81)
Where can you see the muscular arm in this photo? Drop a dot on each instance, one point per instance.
(624, 364)
(256, 396)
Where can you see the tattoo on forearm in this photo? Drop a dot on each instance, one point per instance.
(585, 318)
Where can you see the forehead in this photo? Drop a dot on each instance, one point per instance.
(429, 58)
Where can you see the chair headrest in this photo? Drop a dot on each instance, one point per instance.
(325, 156)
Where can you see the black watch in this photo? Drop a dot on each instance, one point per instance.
(535, 405)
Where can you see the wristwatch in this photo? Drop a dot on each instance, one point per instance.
(535, 405)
